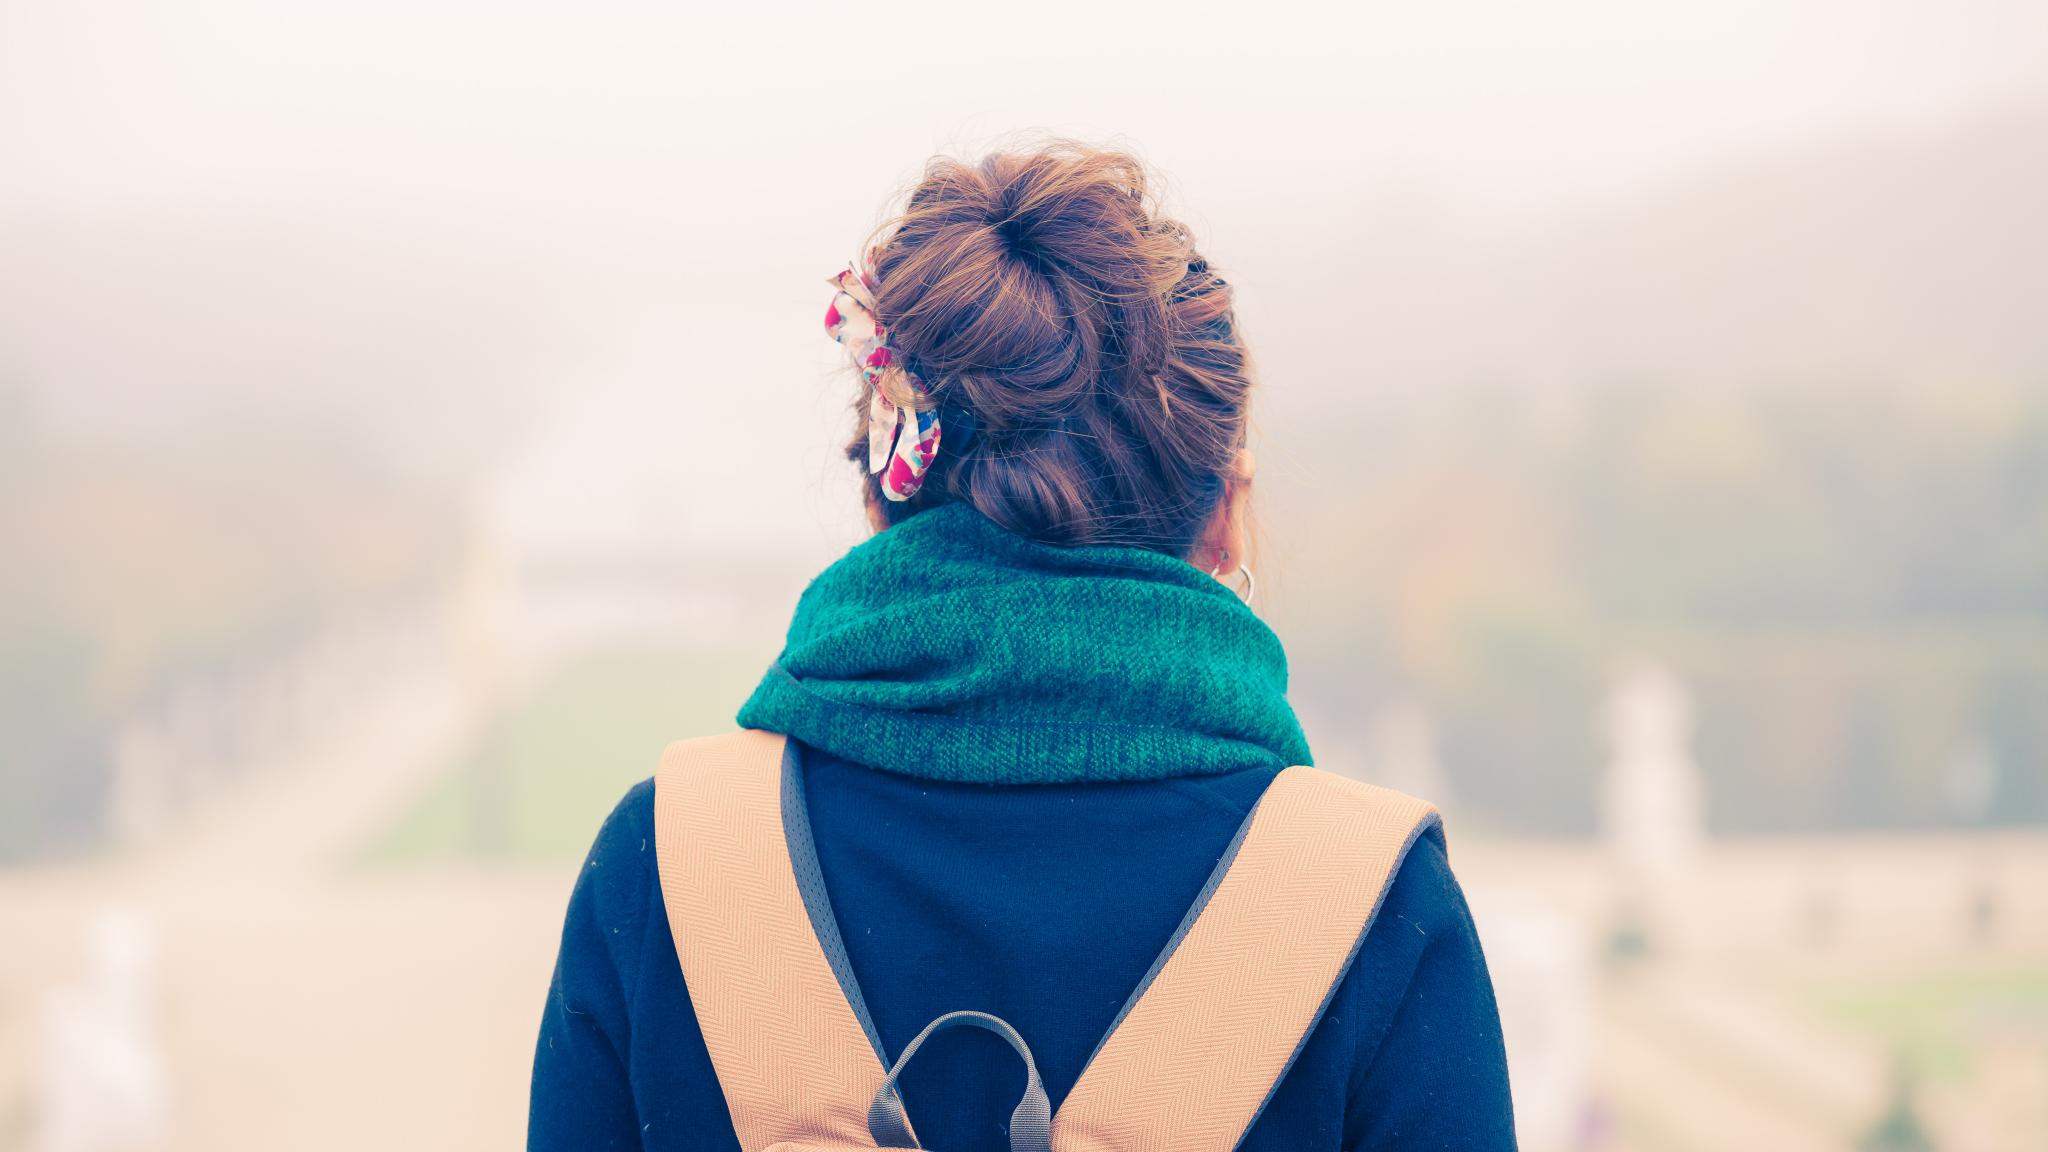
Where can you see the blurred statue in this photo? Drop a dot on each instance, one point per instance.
(103, 1086)
(1652, 806)
(1969, 783)
(482, 608)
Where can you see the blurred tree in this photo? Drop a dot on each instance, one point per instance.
(134, 569)
(1900, 1129)
(1853, 579)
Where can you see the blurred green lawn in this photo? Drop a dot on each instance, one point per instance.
(539, 780)
(1934, 1021)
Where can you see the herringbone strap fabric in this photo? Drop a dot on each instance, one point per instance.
(1199, 1051)
(792, 1058)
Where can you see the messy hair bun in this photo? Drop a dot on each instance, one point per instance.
(1042, 292)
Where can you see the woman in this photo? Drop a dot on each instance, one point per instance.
(1028, 718)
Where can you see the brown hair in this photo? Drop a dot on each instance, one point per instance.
(1043, 292)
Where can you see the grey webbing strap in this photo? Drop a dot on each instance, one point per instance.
(1030, 1124)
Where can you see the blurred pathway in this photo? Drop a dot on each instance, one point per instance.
(1700, 1065)
(301, 999)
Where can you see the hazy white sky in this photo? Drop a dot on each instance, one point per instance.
(610, 216)
(1494, 104)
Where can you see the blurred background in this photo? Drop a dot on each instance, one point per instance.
(1654, 445)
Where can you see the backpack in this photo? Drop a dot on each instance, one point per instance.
(1188, 1064)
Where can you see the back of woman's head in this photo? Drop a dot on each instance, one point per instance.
(1041, 293)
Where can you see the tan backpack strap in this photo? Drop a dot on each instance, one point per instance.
(1206, 1039)
(793, 1057)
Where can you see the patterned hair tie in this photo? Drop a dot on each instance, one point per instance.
(902, 441)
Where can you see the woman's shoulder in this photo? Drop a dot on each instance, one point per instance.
(1422, 937)
(619, 874)
(1424, 894)
(1428, 1062)
(627, 834)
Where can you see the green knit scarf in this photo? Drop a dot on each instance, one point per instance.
(952, 649)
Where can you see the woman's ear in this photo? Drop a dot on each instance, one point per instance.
(1226, 539)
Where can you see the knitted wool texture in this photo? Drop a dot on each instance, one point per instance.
(949, 648)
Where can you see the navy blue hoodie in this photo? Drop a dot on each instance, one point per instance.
(1044, 904)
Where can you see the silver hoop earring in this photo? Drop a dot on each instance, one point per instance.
(1251, 586)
